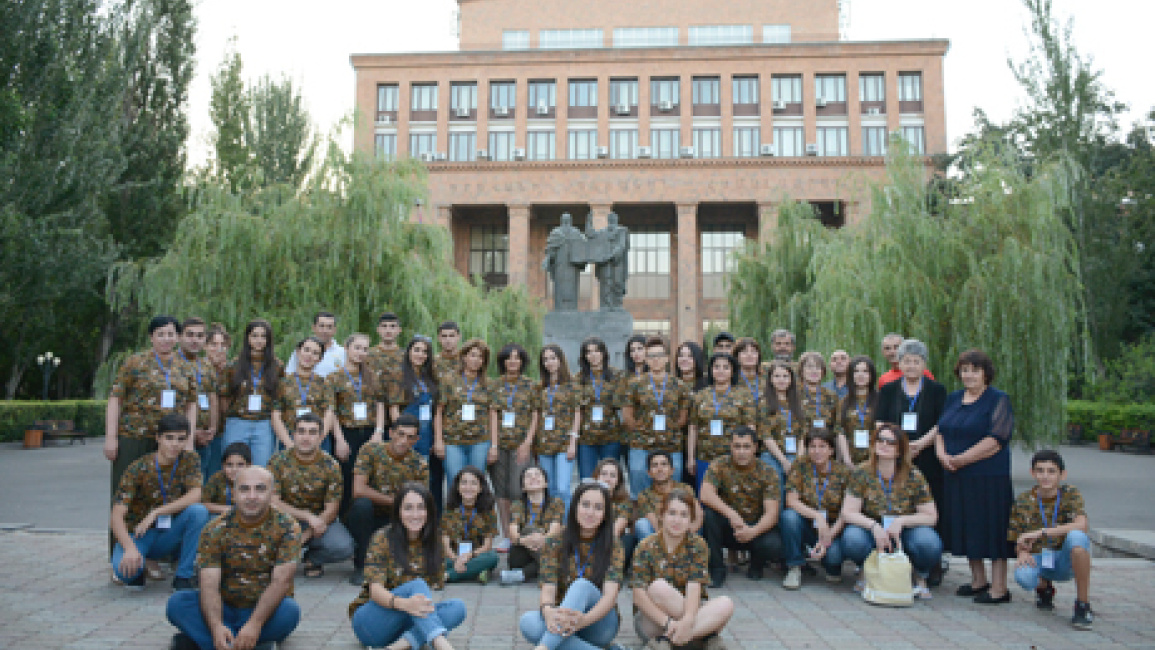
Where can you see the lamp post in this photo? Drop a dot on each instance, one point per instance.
(48, 365)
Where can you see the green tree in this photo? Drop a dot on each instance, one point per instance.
(229, 108)
(279, 133)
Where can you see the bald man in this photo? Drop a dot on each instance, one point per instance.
(246, 560)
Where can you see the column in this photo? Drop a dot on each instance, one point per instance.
(686, 121)
(893, 122)
(854, 114)
(767, 221)
(444, 108)
(644, 111)
(560, 123)
(404, 110)
(482, 115)
(809, 109)
(518, 245)
(726, 97)
(687, 322)
(601, 212)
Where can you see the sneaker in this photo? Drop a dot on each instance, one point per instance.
(136, 584)
(921, 592)
(793, 579)
(182, 584)
(483, 577)
(182, 641)
(501, 545)
(713, 642)
(357, 578)
(512, 577)
(1083, 617)
(1045, 598)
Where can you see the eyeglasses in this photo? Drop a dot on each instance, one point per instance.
(893, 442)
(660, 355)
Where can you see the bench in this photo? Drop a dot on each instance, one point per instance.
(57, 429)
(1138, 440)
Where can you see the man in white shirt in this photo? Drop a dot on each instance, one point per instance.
(324, 328)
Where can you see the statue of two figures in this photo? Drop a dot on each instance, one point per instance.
(568, 251)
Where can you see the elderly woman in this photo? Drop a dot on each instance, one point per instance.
(971, 442)
(914, 403)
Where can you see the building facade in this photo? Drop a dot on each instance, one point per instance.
(692, 120)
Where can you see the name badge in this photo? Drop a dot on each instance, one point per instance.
(791, 444)
(819, 423)
(1047, 561)
(887, 520)
(508, 419)
(203, 401)
(464, 548)
(659, 422)
(360, 411)
(819, 514)
(164, 522)
(715, 427)
(597, 414)
(861, 439)
(910, 421)
(468, 412)
(547, 423)
(304, 410)
(425, 413)
(254, 403)
(168, 399)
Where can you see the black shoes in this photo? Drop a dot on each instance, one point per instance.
(985, 598)
(717, 579)
(182, 584)
(182, 641)
(1083, 617)
(1045, 598)
(967, 591)
(754, 573)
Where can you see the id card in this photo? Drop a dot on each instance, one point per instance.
(425, 412)
(168, 399)
(360, 411)
(1047, 561)
(164, 522)
(203, 401)
(910, 421)
(304, 410)
(597, 414)
(820, 514)
(659, 422)
(715, 427)
(791, 444)
(861, 438)
(468, 412)
(464, 548)
(547, 423)
(254, 403)
(819, 423)
(508, 419)
(887, 520)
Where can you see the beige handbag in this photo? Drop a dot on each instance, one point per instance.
(886, 578)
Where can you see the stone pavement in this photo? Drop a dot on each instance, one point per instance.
(55, 593)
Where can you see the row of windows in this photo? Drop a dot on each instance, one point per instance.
(706, 91)
(582, 144)
(551, 39)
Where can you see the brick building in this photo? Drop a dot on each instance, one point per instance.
(691, 119)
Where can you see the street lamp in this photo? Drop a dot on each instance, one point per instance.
(48, 365)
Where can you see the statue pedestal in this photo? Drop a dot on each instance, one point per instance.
(568, 329)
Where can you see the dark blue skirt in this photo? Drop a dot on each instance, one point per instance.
(976, 513)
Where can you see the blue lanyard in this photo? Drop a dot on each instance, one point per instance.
(756, 388)
(789, 420)
(912, 400)
(256, 380)
(862, 409)
(717, 406)
(512, 390)
(886, 489)
(356, 383)
(424, 388)
(662, 395)
(465, 525)
(825, 482)
(171, 478)
(304, 391)
(1043, 512)
(469, 392)
(228, 495)
(597, 387)
(549, 396)
(581, 568)
(167, 381)
(198, 370)
(532, 514)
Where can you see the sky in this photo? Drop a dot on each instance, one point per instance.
(310, 42)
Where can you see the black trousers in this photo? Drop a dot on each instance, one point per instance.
(355, 437)
(522, 558)
(362, 521)
(720, 535)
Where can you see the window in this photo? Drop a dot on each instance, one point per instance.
(745, 90)
(786, 88)
(420, 143)
(646, 37)
(489, 253)
(775, 33)
(665, 142)
(707, 91)
(386, 146)
(747, 140)
(502, 93)
(788, 140)
(871, 88)
(501, 145)
(874, 140)
(715, 325)
(623, 92)
(583, 144)
(833, 141)
(424, 97)
(554, 39)
(708, 143)
(916, 136)
(718, 245)
(541, 145)
(387, 97)
(623, 144)
(649, 264)
(910, 87)
(831, 87)
(583, 92)
(515, 39)
(463, 146)
(544, 91)
(463, 95)
(665, 89)
(652, 328)
(722, 35)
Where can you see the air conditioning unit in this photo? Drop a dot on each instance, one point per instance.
(644, 152)
(766, 150)
(542, 109)
(811, 150)
(874, 111)
(426, 156)
(385, 120)
(519, 154)
(622, 109)
(820, 102)
(779, 105)
(440, 156)
(665, 105)
(462, 111)
(603, 152)
(501, 111)
(686, 152)
(482, 154)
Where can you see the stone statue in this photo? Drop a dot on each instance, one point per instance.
(612, 270)
(562, 266)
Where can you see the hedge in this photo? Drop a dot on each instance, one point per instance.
(1104, 417)
(16, 416)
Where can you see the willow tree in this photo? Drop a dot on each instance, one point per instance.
(343, 244)
(992, 270)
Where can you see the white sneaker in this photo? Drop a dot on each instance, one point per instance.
(793, 579)
(501, 545)
(512, 577)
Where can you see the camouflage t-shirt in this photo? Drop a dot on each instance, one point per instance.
(650, 398)
(347, 390)
(519, 398)
(777, 425)
(1026, 515)
(650, 500)
(140, 385)
(381, 567)
(446, 366)
(384, 363)
(598, 394)
(688, 563)
(807, 481)
(140, 486)
(467, 525)
(551, 511)
(867, 485)
(551, 563)
(757, 385)
(454, 394)
(294, 394)
(239, 401)
(858, 416)
(247, 553)
(204, 381)
(818, 405)
(385, 472)
(217, 490)
(559, 402)
(306, 485)
(745, 489)
(734, 407)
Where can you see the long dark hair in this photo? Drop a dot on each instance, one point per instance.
(410, 375)
(603, 542)
(430, 533)
(507, 351)
(244, 368)
(851, 399)
(485, 499)
(607, 371)
(563, 366)
(631, 367)
(728, 358)
(699, 357)
(794, 401)
(525, 493)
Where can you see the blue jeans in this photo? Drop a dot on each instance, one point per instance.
(643, 529)
(558, 470)
(376, 626)
(457, 457)
(257, 434)
(211, 457)
(184, 612)
(590, 455)
(1028, 576)
(921, 544)
(184, 534)
(582, 596)
(798, 530)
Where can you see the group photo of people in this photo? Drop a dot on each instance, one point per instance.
(431, 459)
